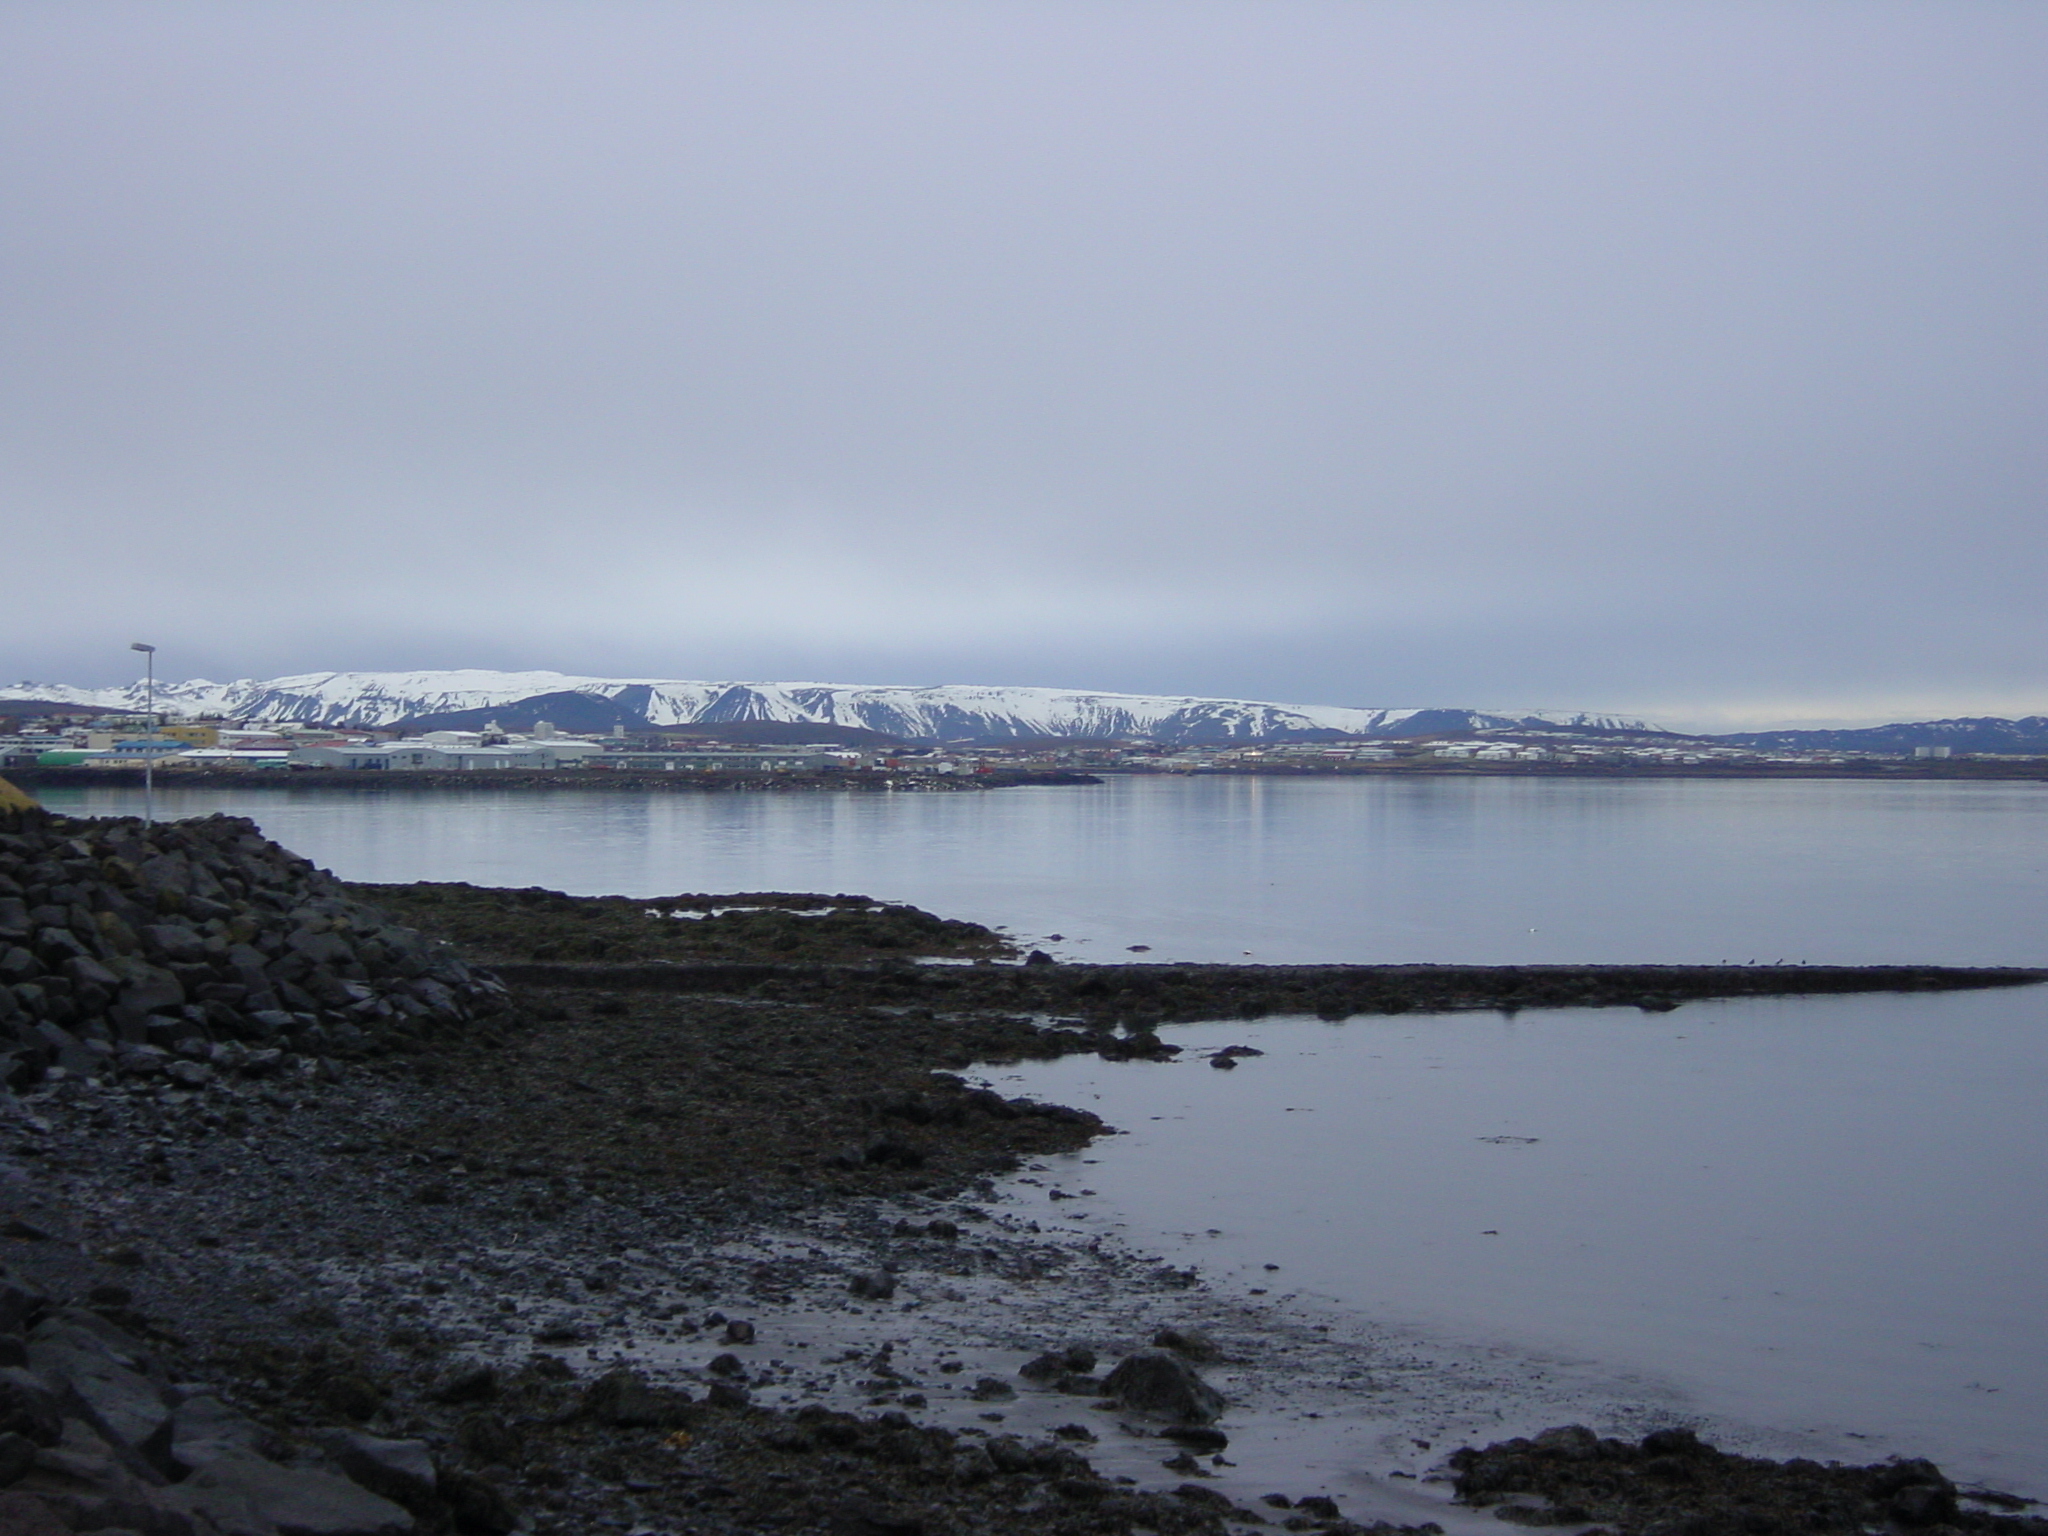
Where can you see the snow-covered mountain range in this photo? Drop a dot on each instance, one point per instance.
(954, 712)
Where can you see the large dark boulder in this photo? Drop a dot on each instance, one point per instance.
(1154, 1381)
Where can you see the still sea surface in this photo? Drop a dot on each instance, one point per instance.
(1821, 1220)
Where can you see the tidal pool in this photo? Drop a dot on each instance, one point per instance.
(1812, 1225)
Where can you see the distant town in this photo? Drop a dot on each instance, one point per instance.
(70, 744)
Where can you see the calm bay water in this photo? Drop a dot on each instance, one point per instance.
(1821, 1221)
(1447, 870)
(1817, 1216)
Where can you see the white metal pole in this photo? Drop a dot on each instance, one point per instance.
(149, 747)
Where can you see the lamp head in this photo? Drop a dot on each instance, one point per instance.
(139, 646)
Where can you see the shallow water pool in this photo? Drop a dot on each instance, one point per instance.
(1820, 1220)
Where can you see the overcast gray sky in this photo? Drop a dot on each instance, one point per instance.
(1679, 358)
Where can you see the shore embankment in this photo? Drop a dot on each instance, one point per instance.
(528, 780)
(679, 1230)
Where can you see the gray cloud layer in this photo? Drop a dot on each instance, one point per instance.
(1684, 358)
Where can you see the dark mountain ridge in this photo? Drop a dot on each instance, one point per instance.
(2024, 737)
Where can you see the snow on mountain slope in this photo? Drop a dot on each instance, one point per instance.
(950, 712)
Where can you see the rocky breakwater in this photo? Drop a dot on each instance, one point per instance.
(98, 1432)
(192, 949)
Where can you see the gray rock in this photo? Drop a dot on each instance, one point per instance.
(1568, 1442)
(625, 1400)
(478, 1506)
(261, 1063)
(1054, 1365)
(29, 1408)
(23, 1514)
(154, 991)
(173, 941)
(321, 948)
(973, 1465)
(204, 1429)
(245, 1495)
(1189, 1343)
(874, 1284)
(399, 1470)
(21, 1305)
(89, 1481)
(118, 1401)
(1154, 1381)
(66, 1049)
(564, 1328)
(477, 1384)
(17, 1455)
(142, 1060)
(189, 1074)
(85, 971)
(728, 1394)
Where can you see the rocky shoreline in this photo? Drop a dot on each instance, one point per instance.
(693, 1234)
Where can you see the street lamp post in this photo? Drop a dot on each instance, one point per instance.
(149, 751)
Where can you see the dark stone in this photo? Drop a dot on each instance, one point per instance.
(350, 1395)
(1923, 1504)
(22, 1306)
(1673, 1442)
(17, 1455)
(399, 1470)
(625, 1400)
(1567, 1442)
(28, 1408)
(476, 1385)
(23, 1514)
(489, 1438)
(1057, 1364)
(477, 1505)
(1189, 1343)
(1154, 1381)
(869, 1519)
(874, 1284)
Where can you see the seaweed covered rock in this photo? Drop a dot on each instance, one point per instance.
(187, 948)
(1672, 1481)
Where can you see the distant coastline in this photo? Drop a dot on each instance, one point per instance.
(612, 781)
(605, 780)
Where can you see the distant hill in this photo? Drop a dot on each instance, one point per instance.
(2027, 737)
(586, 714)
(24, 709)
(580, 714)
(952, 712)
